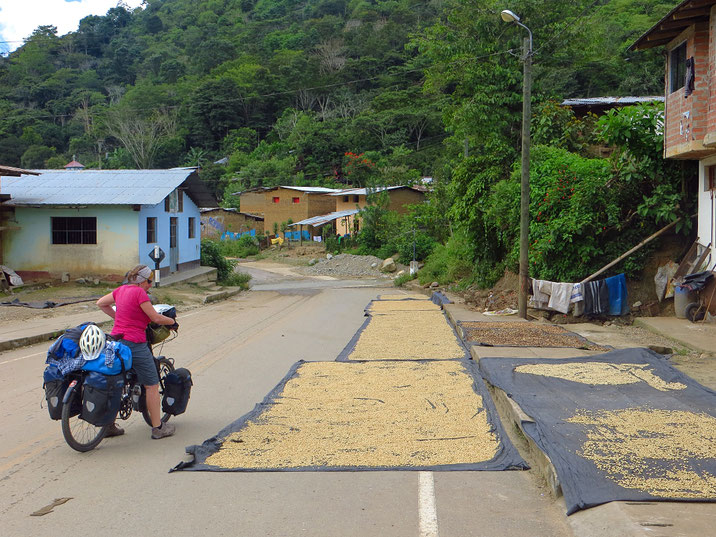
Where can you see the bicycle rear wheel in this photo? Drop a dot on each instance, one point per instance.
(79, 434)
(164, 367)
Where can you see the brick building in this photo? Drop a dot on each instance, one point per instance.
(399, 198)
(280, 203)
(688, 36)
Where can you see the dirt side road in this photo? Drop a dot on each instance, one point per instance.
(238, 350)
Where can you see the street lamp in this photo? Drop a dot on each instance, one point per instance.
(509, 16)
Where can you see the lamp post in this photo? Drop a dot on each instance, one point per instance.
(509, 16)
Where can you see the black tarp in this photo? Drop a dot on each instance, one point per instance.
(550, 402)
(507, 457)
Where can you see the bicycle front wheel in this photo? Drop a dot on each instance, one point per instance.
(164, 367)
(79, 434)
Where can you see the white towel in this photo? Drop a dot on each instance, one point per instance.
(560, 297)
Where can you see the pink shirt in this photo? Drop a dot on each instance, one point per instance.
(130, 320)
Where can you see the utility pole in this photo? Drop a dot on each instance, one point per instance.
(525, 179)
(509, 16)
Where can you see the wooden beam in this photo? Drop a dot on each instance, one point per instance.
(689, 13)
(638, 246)
(661, 36)
(680, 24)
(700, 3)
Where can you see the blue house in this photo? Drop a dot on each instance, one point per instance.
(101, 222)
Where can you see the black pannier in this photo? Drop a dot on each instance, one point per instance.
(55, 385)
(101, 397)
(177, 388)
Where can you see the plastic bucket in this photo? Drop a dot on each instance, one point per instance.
(682, 298)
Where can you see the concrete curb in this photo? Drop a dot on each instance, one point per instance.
(510, 413)
(38, 338)
(222, 295)
(53, 334)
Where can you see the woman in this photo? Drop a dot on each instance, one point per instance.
(133, 313)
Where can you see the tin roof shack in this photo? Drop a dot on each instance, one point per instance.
(601, 105)
(103, 222)
(688, 35)
(219, 223)
(282, 203)
(400, 197)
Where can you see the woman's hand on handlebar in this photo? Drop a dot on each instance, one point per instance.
(174, 327)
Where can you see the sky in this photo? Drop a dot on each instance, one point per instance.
(19, 18)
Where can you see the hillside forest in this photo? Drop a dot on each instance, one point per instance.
(373, 93)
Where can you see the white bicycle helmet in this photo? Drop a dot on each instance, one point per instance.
(92, 342)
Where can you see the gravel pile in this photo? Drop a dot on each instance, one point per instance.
(347, 265)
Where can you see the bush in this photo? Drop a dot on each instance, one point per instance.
(211, 256)
(450, 262)
(237, 279)
(424, 245)
(242, 247)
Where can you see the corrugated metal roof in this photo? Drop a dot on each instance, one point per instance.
(307, 189)
(363, 191)
(231, 210)
(311, 189)
(102, 187)
(317, 221)
(602, 101)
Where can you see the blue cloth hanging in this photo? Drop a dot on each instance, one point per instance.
(618, 299)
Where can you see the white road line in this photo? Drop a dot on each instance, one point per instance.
(427, 513)
(21, 358)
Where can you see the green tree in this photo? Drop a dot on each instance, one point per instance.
(36, 156)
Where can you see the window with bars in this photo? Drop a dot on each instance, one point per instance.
(151, 229)
(180, 201)
(74, 229)
(296, 200)
(192, 227)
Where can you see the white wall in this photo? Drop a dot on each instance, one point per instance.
(707, 210)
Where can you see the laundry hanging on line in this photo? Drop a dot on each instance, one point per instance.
(598, 297)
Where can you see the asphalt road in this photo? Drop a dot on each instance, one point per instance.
(238, 350)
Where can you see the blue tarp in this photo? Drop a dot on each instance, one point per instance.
(296, 235)
(230, 235)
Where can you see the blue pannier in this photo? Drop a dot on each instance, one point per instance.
(116, 351)
(101, 398)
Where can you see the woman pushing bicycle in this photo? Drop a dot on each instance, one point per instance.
(134, 312)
